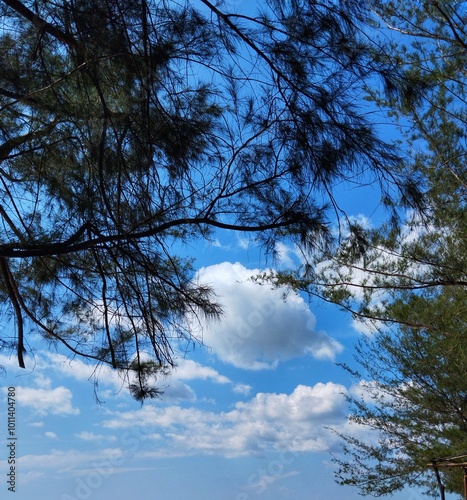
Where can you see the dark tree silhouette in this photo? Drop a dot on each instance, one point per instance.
(128, 127)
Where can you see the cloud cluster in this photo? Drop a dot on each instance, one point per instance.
(259, 328)
(370, 280)
(267, 422)
(174, 384)
(46, 399)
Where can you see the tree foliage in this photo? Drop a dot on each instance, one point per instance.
(416, 402)
(128, 128)
(407, 283)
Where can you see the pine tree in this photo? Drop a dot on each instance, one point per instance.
(128, 128)
(407, 282)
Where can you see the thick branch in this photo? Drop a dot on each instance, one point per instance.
(41, 23)
(8, 146)
(13, 294)
(43, 250)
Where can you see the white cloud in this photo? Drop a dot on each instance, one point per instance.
(267, 422)
(216, 243)
(110, 381)
(46, 362)
(366, 326)
(371, 279)
(177, 390)
(187, 369)
(79, 370)
(51, 435)
(45, 399)
(243, 389)
(31, 476)
(288, 256)
(259, 328)
(37, 424)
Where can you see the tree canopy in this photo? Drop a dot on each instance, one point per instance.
(407, 283)
(129, 127)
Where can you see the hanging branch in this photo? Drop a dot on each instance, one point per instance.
(13, 295)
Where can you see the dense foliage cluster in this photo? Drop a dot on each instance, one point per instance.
(411, 278)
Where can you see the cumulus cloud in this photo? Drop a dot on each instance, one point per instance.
(266, 422)
(259, 328)
(188, 369)
(79, 370)
(67, 369)
(110, 381)
(47, 400)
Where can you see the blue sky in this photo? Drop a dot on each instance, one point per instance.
(243, 417)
